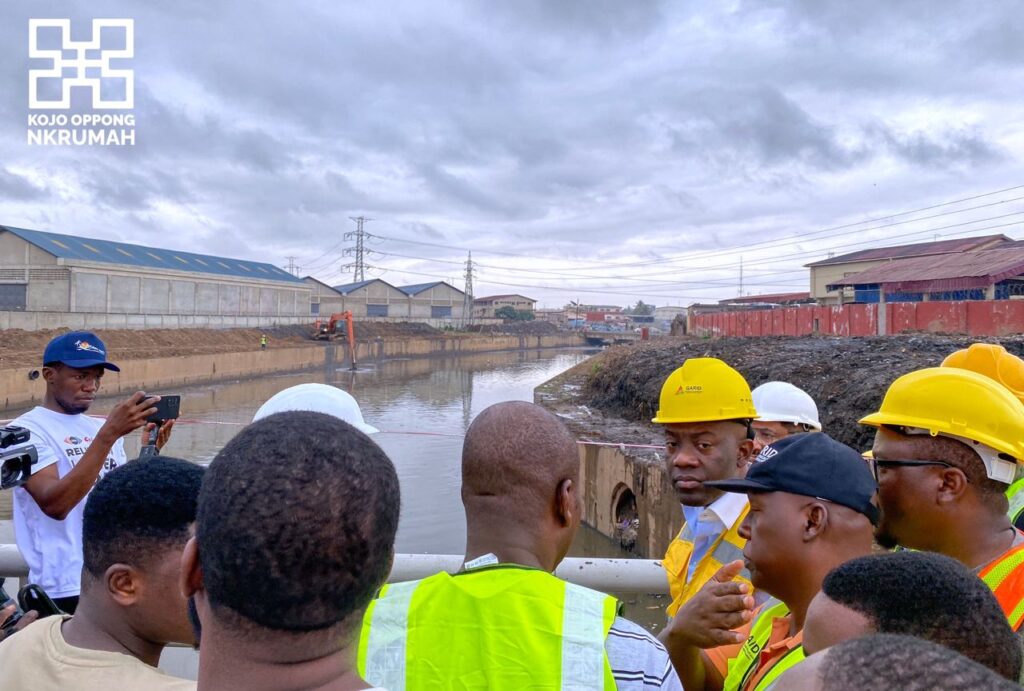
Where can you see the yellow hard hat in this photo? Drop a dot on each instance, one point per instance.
(994, 362)
(960, 404)
(704, 389)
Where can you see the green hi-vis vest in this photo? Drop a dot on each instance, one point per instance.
(1015, 494)
(744, 666)
(498, 627)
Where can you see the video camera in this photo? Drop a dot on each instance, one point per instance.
(16, 464)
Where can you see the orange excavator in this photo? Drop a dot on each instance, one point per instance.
(327, 329)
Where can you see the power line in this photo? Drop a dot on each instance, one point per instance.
(768, 260)
(773, 242)
(655, 287)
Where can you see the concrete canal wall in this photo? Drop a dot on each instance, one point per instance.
(614, 482)
(18, 390)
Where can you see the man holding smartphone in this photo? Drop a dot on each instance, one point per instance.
(74, 450)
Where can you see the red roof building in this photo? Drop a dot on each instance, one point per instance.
(832, 271)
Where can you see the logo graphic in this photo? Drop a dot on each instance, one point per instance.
(689, 388)
(87, 61)
(766, 453)
(85, 345)
(73, 440)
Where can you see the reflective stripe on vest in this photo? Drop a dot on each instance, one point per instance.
(727, 547)
(746, 664)
(1005, 577)
(495, 627)
(1015, 495)
(386, 640)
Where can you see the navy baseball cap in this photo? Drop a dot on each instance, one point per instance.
(78, 349)
(813, 465)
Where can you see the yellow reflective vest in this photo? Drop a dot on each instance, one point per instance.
(747, 662)
(496, 627)
(727, 547)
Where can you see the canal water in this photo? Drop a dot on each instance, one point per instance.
(423, 407)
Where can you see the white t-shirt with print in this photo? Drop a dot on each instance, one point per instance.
(53, 549)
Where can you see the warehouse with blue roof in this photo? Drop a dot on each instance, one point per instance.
(438, 303)
(49, 280)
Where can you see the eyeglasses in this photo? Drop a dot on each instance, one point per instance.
(876, 464)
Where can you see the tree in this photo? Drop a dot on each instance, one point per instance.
(510, 313)
(640, 309)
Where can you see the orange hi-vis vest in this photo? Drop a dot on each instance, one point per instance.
(727, 547)
(1005, 576)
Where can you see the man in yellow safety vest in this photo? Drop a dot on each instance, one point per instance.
(504, 621)
(705, 409)
(811, 509)
(948, 445)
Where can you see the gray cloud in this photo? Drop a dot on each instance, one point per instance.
(19, 188)
(583, 132)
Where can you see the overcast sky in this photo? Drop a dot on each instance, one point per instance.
(606, 150)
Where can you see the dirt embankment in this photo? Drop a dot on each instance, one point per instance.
(524, 328)
(847, 377)
(25, 348)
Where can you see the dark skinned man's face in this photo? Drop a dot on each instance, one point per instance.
(73, 389)
(698, 452)
(902, 495)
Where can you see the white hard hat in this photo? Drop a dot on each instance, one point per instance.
(317, 398)
(777, 401)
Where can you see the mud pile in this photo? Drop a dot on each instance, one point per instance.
(847, 377)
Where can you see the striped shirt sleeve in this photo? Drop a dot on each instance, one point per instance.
(639, 661)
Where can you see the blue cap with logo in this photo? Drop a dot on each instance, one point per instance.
(79, 349)
(814, 465)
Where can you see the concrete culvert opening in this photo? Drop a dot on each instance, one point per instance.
(627, 520)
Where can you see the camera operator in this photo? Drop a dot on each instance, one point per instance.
(74, 451)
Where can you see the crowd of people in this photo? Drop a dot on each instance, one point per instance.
(801, 564)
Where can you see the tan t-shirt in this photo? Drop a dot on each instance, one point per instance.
(39, 659)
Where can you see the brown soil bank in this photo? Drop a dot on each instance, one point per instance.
(25, 348)
(847, 377)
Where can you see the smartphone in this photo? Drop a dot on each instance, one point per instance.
(166, 409)
(6, 600)
(32, 597)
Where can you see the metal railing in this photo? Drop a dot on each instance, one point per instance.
(608, 575)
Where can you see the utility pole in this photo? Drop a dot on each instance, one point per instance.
(741, 275)
(358, 266)
(291, 268)
(467, 298)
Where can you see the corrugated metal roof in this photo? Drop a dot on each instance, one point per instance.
(110, 252)
(347, 288)
(769, 297)
(503, 295)
(418, 288)
(960, 271)
(915, 250)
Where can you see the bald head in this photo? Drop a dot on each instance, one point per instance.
(514, 457)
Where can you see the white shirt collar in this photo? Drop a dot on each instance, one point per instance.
(728, 507)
